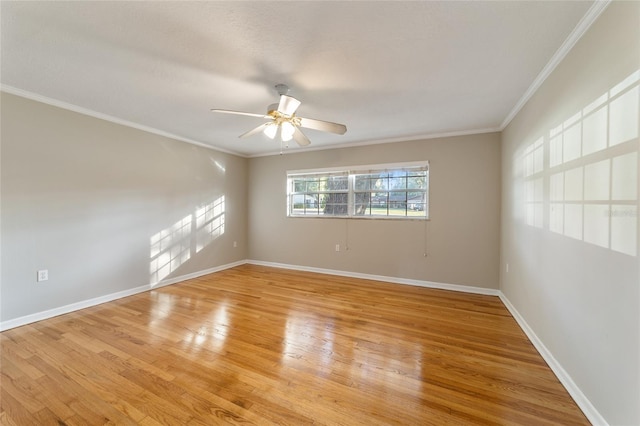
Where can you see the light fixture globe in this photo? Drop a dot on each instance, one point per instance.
(271, 130)
(286, 131)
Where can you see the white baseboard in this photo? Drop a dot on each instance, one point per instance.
(395, 280)
(185, 277)
(39, 316)
(581, 400)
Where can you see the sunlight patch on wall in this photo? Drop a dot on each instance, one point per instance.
(170, 248)
(173, 246)
(587, 186)
(209, 223)
(533, 167)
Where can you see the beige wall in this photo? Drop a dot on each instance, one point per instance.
(570, 227)
(461, 239)
(87, 199)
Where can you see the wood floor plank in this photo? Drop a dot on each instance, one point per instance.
(265, 346)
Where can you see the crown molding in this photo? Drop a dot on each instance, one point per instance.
(585, 23)
(91, 113)
(85, 111)
(581, 28)
(382, 141)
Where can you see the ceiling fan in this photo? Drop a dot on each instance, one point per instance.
(282, 118)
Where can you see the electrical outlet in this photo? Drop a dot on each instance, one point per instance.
(337, 247)
(43, 275)
(235, 244)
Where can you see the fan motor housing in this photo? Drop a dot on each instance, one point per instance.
(272, 108)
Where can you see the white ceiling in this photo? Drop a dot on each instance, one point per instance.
(388, 70)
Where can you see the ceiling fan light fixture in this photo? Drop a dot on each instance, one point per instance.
(287, 131)
(271, 130)
(283, 123)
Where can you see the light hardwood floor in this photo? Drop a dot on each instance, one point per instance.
(257, 345)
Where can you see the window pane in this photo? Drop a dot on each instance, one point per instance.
(416, 207)
(322, 184)
(313, 185)
(340, 183)
(362, 183)
(362, 203)
(398, 197)
(379, 182)
(379, 204)
(334, 183)
(378, 175)
(416, 201)
(416, 182)
(334, 204)
(401, 192)
(303, 204)
(397, 183)
(379, 199)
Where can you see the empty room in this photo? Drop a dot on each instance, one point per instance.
(327, 213)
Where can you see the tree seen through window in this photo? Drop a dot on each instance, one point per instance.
(400, 192)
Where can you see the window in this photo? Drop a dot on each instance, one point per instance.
(383, 191)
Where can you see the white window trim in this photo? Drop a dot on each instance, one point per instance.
(350, 171)
(361, 168)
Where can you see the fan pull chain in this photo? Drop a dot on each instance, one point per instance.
(346, 236)
(424, 254)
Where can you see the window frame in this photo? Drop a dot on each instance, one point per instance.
(352, 172)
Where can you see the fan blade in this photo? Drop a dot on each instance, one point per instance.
(250, 114)
(252, 132)
(325, 126)
(301, 138)
(288, 105)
